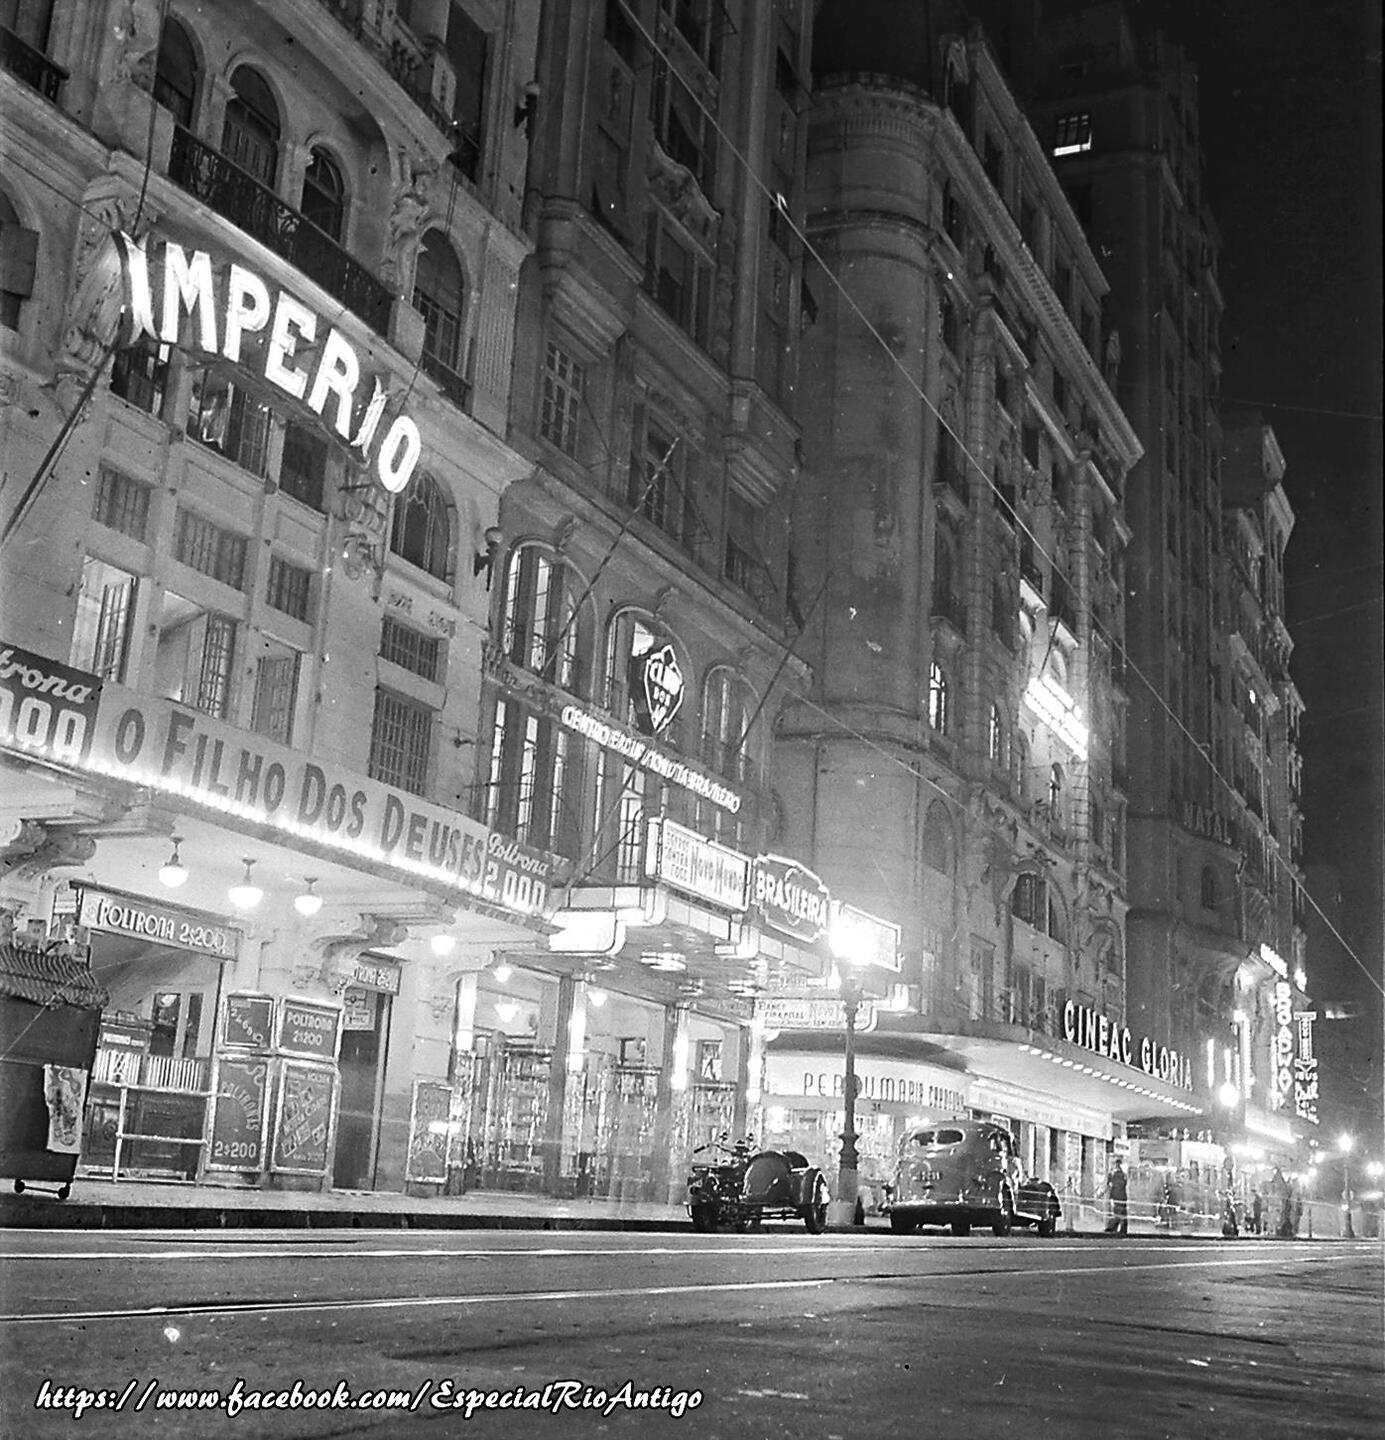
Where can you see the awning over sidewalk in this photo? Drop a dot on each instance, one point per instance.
(1051, 1066)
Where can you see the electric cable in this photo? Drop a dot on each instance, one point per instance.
(897, 363)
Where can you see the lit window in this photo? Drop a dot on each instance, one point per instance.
(195, 655)
(995, 736)
(101, 632)
(727, 707)
(540, 627)
(533, 789)
(1073, 134)
(225, 417)
(938, 710)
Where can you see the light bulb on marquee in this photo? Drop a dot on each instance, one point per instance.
(173, 872)
(309, 902)
(247, 894)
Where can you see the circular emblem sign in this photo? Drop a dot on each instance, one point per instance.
(656, 684)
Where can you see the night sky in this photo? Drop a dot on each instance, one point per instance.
(1290, 118)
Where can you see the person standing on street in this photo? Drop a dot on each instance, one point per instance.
(1118, 1224)
(1257, 1212)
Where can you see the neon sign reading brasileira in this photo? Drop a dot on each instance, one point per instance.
(179, 298)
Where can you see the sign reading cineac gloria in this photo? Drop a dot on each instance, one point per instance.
(789, 898)
(228, 312)
(1094, 1031)
(147, 740)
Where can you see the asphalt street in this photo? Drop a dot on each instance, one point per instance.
(775, 1334)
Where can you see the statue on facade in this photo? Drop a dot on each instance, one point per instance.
(411, 204)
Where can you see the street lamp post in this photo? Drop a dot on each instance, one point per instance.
(844, 1209)
(1344, 1144)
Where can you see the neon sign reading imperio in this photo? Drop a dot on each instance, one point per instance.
(231, 314)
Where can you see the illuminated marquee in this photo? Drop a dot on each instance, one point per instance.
(1306, 1068)
(1094, 1031)
(179, 298)
(1282, 1046)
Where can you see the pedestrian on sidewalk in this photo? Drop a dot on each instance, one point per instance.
(1257, 1212)
(1119, 1222)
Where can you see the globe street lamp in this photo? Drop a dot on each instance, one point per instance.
(1345, 1144)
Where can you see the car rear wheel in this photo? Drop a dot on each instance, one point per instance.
(961, 1228)
(1005, 1221)
(703, 1218)
(902, 1223)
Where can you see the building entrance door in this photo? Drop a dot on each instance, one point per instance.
(366, 1023)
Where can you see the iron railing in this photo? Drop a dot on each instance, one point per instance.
(236, 194)
(31, 66)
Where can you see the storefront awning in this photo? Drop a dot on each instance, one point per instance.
(49, 977)
(1052, 1066)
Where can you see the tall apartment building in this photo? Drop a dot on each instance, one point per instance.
(1207, 870)
(962, 754)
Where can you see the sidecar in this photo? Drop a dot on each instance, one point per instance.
(782, 1185)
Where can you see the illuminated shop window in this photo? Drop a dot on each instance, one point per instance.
(101, 631)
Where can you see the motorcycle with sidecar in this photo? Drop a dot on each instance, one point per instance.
(739, 1186)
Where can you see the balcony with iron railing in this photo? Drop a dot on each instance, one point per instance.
(31, 66)
(235, 194)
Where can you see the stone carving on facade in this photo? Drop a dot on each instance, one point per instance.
(330, 962)
(1111, 358)
(35, 849)
(136, 44)
(91, 324)
(411, 204)
(675, 187)
(563, 532)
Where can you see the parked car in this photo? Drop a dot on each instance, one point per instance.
(962, 1173)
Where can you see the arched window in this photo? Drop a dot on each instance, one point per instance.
(1209, 888)
(938, 847)
(324, 194)
(18, 253)
(438, 296)
(1055, 789)
(541, 629)
(534, 786)
(727, 703)
(422, 528)
(176, 73)
(938, 707)
(250, 134)
(995, 735)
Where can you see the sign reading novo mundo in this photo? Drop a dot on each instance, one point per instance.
(227, 311)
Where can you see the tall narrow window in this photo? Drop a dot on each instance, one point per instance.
(939, 845)
(324, 194)
(175, 73)
(399, 742)
(995, 736)
(250, 133)
(438, 296)
(560, 418)
(195, 655)
(139, 374)
(422, 529)
(276, 692)
(939, 710)
(18, 258)
(101, 632)
(541, 629)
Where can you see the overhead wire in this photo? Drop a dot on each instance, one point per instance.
(897, 363)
